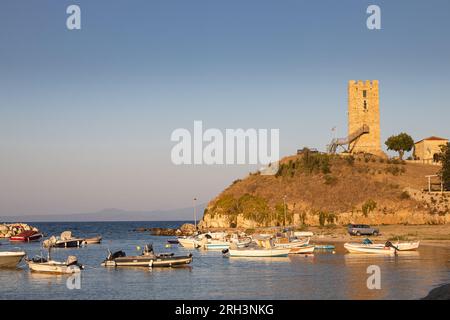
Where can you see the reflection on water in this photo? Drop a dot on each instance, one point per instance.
(324, 275)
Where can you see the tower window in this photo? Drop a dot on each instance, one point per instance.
(364, 93)
(365, 105)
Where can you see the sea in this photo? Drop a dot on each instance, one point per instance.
(330, 274)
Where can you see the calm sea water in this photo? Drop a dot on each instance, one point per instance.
(211, 276)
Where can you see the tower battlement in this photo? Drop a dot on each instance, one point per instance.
(364, 110)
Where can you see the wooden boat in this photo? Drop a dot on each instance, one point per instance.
(94, 240)
(147, 259)
(257, 252)
(368, 248)
(306, 249)
(10, 259)
(40, 264)
(26, 236)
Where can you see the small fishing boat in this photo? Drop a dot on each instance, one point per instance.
(369, 248)
(64, 241)
(94, 240)
(406, 246)
(26, 236)
(216, 245)
(147, 259)
(189, 242)
(306, 249)
(10, 259)
(40, 264)
(324, 247)
(173, 241)
(257, 252)
(292, 243)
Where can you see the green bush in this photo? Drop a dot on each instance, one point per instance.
(368, 207)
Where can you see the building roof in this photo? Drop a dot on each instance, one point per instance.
(432, 138)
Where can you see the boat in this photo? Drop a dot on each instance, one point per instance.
(257, 252)
(293, 243)
(369, 248)
(189, 242)
(40, 264)
(147, 259)
(324, 247)
(305, 249)
(173, 241)
(26, 236)
(406, 246)
(216, 245)
(64, 241)
(94, 240)
(10, 259)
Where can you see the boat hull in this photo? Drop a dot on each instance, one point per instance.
(302, 250)
(368, 248)
(142, 261)
(11, 259)
(52, 267)
(26, 238)
(69, 243)
(259, 252)
(188, 243)
(95, 240)
(293, 244)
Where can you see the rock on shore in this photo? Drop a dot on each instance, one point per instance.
(186, 229)
(12, 229)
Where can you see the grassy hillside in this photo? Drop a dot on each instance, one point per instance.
(323, 189)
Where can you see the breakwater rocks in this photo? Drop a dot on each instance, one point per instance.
(8, 230)
(186, 229)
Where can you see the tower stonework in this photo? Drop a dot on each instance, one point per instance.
(363, 112)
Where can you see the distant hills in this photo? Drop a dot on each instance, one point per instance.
(113, 214)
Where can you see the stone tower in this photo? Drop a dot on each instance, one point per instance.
(363, 113)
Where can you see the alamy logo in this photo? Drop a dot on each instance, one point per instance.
(236, 146)
(374, 20)
(74, 281)
(73, 21)
(374, 280)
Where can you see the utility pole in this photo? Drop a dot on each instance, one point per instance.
(195, 212)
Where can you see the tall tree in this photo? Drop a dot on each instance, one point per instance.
(444, 157)
(400, 143)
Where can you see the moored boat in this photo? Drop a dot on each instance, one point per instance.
(40, 264)
(10, 259)
(293, 243)
(189, 242)
(216, 245)
(305, 249)
(26, 236)
(93, 240)
(369, 248)
(257, 252)
(64, 241)
(147, 259)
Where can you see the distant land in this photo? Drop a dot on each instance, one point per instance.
(113, 214)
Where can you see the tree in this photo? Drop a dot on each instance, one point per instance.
(444, 157)
(401, 143)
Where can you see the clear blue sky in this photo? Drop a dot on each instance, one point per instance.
(86, 116)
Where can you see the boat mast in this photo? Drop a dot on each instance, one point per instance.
(195, 213)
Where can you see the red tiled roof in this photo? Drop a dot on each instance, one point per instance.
(433, 138)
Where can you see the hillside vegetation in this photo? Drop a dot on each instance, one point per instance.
(322, 189)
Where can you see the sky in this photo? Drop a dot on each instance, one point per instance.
(86, 115)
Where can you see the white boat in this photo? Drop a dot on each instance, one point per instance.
(10, 259)
(406, 246)
(303, 233)
(305, 249)
(189, 242)
(368, 248)
(258, 252)
(51, 266)
(216, 245)
(293, 243)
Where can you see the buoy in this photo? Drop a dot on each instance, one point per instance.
(168, 245)
(334, 252)
(138, 248)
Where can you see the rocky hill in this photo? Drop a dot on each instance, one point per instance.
(321, 189)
